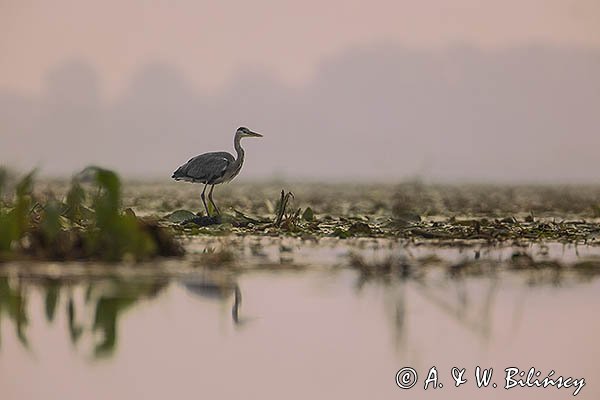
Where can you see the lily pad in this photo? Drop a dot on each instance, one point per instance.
(180, 216)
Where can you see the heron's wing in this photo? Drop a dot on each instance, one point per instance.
(205, 167)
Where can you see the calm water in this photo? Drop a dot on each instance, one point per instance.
(314, 333)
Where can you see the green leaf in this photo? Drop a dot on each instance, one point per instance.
(51, 223)
(179, 216)
(308, 214)
(75, 202)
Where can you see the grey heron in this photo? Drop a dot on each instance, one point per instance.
(214, 168)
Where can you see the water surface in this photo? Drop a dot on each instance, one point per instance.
(312, 333)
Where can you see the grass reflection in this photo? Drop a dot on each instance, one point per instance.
(93, 313)
(13, 305)
(466, 292)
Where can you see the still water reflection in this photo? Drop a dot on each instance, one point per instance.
(304, 334)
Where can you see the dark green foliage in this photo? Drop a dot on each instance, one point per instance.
(308, 214)
(14, 220)
(115, 234)
(74, 230)
(76, 210)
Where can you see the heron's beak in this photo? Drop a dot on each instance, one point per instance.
(254, 134)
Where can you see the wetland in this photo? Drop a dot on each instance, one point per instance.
(298, 290)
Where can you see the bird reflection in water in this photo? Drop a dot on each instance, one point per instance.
(218, 288)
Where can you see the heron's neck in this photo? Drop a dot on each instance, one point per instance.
(238, 149)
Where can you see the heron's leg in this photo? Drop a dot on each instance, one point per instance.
(211, 199)
(237, 302)
(204, 200)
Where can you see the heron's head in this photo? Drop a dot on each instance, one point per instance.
(245, 132)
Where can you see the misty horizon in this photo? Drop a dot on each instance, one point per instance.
(378, 112)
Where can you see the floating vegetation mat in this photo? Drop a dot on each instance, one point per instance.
(440, 214)
(443, 232)
(93, 218)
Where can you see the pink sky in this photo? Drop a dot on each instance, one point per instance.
(211, 41)
(454, 89)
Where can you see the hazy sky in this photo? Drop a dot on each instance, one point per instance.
(210, 41)
(461, 89)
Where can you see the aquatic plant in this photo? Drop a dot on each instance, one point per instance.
(14, 220)
(403, 222)
(88, 225)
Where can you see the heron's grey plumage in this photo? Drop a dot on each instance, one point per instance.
(215, 168)
(206, 168)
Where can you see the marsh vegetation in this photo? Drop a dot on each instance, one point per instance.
(93, 217)
(134, 276)
(86, 222)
